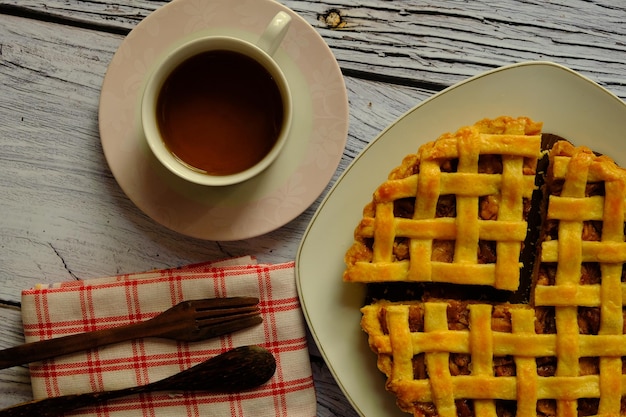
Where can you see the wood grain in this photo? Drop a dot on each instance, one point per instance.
(65, 217)
(430, 44)
(14, 382)
(62, 214)
(105, 234)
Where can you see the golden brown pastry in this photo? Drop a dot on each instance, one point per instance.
(561, 354)
(454, 212)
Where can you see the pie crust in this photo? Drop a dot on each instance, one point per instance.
(409, 232)
(460, 353)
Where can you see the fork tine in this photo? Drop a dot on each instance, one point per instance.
(211, 321)
(223, 302)
(222, 312)
(224, 328)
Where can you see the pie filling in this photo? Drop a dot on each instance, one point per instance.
(494, 261)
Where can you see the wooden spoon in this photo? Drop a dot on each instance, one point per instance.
(236, 370)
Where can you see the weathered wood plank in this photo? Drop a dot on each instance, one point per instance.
(455, 39)
(449, 40)
(14, 382)
(330, 401)
(51, 83)
(51, 76)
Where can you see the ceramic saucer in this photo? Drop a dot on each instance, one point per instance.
(280, 193)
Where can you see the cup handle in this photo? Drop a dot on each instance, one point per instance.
(274, 33)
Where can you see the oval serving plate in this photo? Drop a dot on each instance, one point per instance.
(567, 103)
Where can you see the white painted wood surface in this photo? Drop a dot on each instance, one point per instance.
(63, 216)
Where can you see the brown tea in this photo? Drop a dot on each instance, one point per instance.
(220, 112)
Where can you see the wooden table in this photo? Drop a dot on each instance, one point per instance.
(64, 217)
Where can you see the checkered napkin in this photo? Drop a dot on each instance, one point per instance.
(67, 308)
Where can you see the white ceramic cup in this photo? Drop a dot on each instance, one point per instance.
(261, 52)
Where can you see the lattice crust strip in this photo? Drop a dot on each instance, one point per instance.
(389, 326)
(580, 171)
(426, 177)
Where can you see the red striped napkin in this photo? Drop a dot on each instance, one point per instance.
(80, 306)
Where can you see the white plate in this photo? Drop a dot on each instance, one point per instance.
(569, 104)
(281, 192)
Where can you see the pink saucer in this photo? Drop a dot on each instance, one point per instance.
(280, 193)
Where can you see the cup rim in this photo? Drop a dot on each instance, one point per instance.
(164, 67)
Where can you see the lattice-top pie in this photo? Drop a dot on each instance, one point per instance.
(462, 352)
(454, 212)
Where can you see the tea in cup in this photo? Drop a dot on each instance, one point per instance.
(217, 110)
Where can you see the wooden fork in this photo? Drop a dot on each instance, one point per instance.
(188, 321)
